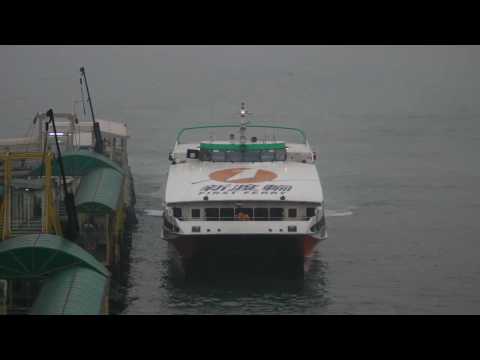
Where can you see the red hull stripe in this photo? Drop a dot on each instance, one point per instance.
(309, 245)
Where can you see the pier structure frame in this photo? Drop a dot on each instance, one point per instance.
(50, 218)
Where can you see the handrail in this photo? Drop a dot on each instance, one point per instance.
(300, 131)
(50, 219)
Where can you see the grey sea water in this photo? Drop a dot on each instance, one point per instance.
(397, 134)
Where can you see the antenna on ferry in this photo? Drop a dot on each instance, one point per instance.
(243, 123)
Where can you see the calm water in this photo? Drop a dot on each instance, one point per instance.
(396, 129)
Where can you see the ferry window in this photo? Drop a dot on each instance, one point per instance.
(211, 213)
(177, 212)
(292, 213)
(310, 212)
(251, 156)
(280, 155)
(267, 155)
(234, 156)
(244, 213)
(218, 155)
(276, 213)
(192, 153)
(261, 214)
(205, 155)
(195, 213)
(226, 214)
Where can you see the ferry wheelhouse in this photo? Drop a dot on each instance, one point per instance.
(244, 196)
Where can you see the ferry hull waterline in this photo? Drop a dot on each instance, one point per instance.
(244, 198)
(246, 253)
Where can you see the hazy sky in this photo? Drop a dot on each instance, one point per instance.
(205, 80)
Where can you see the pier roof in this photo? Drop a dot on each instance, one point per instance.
(36, 255)
(99, 191)
(80, 163)
(75, 291)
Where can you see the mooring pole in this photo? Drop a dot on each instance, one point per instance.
(73, 227)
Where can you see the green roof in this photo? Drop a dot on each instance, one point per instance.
(99, 192)
(80, 163)
(75, 291)
(38, 255)
(244, 147)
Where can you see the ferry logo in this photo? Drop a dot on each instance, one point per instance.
(242, 175)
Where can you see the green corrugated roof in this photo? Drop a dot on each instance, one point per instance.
(245, 147)
(37, 255)
(80, 163)
(99, 192)
(76, 291)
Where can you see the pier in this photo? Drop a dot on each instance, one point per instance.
(44, 267)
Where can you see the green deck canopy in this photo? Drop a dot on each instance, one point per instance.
(37, 255)
(80, 163)
(99, 192)
(75, 291)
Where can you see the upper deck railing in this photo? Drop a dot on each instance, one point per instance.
(298, 131)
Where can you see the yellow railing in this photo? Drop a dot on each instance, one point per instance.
(50, 218)
(7, 178)
(1, 213)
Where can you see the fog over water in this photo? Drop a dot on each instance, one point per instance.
(397, 133)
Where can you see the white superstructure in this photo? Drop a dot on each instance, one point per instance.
(243, 184)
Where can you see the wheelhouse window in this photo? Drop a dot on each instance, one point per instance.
(255, 152)
(195, 213)
(276, 213)
(267, 155)
(261, 214)
(292, 213)
(280, 155)
(310, 212)
(212, 214)
(234, 156)
(218, 156)
(227, 214)
(251, 156)
(244, 213)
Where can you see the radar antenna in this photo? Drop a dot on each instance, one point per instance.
(244, 122)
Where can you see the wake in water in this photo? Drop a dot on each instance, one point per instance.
(335, 213)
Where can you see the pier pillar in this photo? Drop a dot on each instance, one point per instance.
(3, 297)
(109, 240)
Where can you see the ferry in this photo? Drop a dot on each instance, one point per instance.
(244, 191)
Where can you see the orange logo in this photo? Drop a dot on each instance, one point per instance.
(242, 175)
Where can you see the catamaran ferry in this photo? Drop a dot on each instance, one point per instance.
(244, 194)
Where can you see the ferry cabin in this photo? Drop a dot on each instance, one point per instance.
(215, 187)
